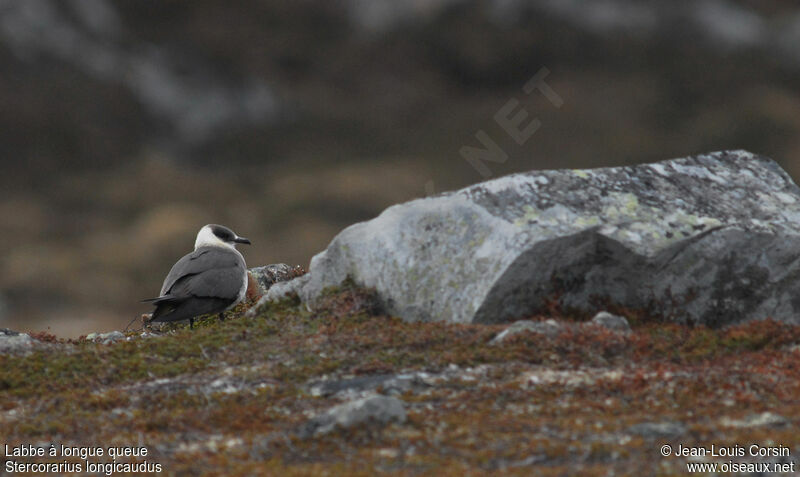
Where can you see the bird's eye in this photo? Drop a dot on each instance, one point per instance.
(223, 234)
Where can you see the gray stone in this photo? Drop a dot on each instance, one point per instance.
(105, 338)
(655, 430)
(268, 275)
(373, 409)
(764, 419)
(611, 321)
(547, 328)
(111, 337)
(388, 383)
(277, 292)
(281, 290)
(710, 239)
(12, 342)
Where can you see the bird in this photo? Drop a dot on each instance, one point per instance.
(211, 279)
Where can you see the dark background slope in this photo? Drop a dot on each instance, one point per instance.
(126, 126)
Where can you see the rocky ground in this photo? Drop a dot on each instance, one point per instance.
(347, 390)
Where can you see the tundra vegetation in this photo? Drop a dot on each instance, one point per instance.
(237, 396)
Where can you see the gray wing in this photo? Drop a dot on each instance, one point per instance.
(217, 283)
(205, 272)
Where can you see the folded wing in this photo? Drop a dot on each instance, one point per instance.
(204, 281)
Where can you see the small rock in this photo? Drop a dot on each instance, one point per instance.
(528, 461)
(391, 384)
(15, 342)
(112, 337)
(755, 420)
(548, 328)
(542, 376)
(388, 453)
(118, 411)
(279, 291)
(222, 385)
(105, 338)
(611, 322)
(666, 430)
(276, 293)
(372, 409)
(269, 275)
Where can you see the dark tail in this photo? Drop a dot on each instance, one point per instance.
(158, 299)
(177, 309)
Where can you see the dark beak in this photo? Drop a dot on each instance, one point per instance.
(242, 240)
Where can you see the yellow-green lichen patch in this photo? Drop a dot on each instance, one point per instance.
(529, 215)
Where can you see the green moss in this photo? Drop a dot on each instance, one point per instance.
(162, 390)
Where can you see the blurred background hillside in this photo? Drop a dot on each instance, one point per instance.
(127, 125)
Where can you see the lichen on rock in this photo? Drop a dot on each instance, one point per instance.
(709, 239)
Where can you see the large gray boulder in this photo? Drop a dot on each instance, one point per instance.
(710, 239)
